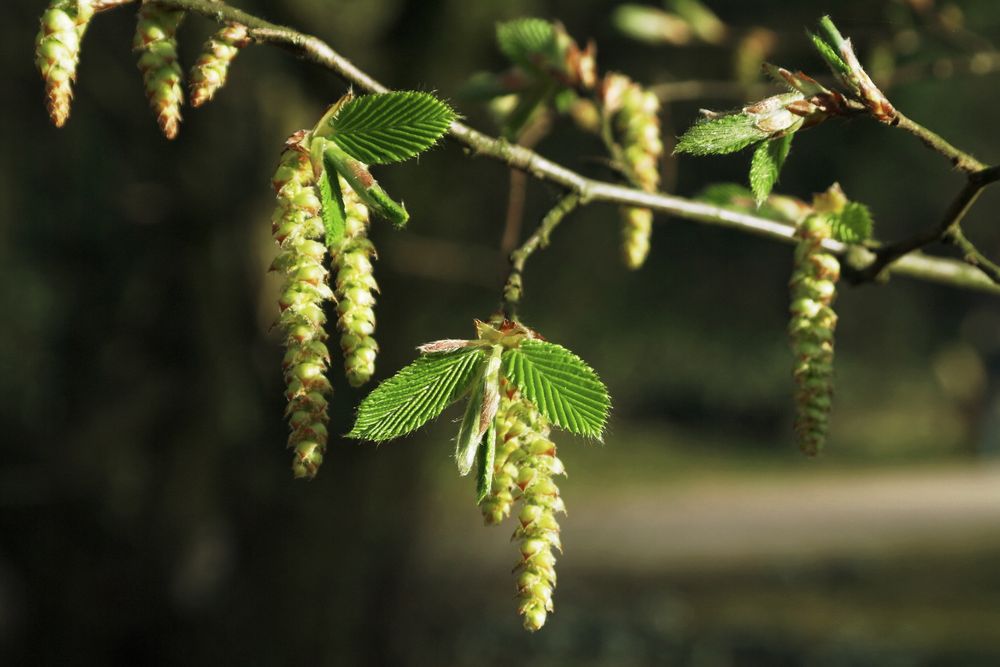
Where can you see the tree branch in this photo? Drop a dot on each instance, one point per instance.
(588, 190)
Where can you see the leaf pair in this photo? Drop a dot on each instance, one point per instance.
(561, 385)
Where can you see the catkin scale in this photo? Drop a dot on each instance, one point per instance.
(524, 466)
(811, 330)
(210, 71)
(298, 230)
(57, 52)
(636, 120)
(156, 42)
(355, 289)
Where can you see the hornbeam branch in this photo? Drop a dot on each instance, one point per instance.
(315, 50)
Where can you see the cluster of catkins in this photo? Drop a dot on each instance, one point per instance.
(811, 328)
(299, 230)
(525, 464)
(634, 113)
(57, 52)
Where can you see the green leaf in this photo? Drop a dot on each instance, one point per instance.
(766, 166)
(334, 215)
(416, 394)
(487, 459)
(527, 41)
(829, 54)
(469, 434)
(720, 135)
(363, 183)
(853, 224)
(830, 33)
(390, 127)
(563, 387)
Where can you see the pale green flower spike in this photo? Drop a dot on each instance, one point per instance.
(298, 230)
(525, 464)
(813, 288)
(212, 67)
(57, 52)
(636, 121)
(637, 230)
(355, 289)
(155, 41)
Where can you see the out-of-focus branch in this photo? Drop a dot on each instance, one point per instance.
(586, 190)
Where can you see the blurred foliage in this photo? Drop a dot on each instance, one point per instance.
(147, 513)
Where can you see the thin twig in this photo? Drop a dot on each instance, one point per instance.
(949, 229)
(973, 256)
(514, 287)
(319, 52)
(959, 159)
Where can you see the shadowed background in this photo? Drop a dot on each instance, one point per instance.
(147, 512)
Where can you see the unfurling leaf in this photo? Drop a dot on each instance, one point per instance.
(334, 215)
(829, 55)
(356, 174)
(468, 433)
(720, 135)
(487, 459)
(766, 164)
(563, 387)
(389, 127)
(416, 394)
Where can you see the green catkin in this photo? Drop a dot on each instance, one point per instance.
(155, 41)
(212, 67)
(813, 288)
(355, 290)
(525, 463)
(57, 52)
(298, 230)
(636, 119)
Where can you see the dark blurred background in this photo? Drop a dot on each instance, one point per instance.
(147, 511)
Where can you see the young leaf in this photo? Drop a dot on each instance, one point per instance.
(526, 41)
(829, 54)
(830, 33)
(487, 459)
(334, 215)
(853, 224)
(766, 166)
(390, 127)
(416, 394)
(363, 183)
(563, 387)
(469, 434)
(720, 135)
